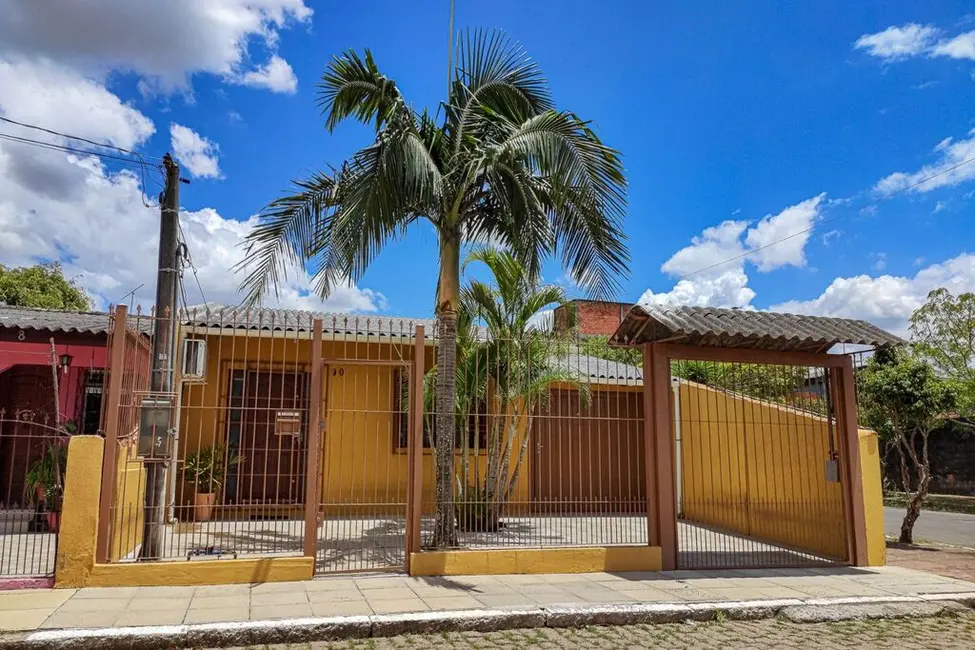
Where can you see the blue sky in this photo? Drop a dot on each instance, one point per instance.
(723, 111)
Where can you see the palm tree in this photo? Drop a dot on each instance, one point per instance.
(496, 163)
(510, 368)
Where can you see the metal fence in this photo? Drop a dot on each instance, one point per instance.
(549, 445)
(757, 466)
(289, 433)
(32, 464)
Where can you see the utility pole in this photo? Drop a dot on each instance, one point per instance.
(157, 409)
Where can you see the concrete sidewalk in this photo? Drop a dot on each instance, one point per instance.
(361, 596)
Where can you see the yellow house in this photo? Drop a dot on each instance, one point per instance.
(298, 439)
(245, 394)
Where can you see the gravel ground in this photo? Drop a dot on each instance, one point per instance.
(917, 634)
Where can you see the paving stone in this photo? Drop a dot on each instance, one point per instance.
(81, 619)
(452, 602)
(222, 590)
(341, 608)
(158, 604)
(335, 596)
(18, 600)
(158, 617)
(398, 606)
(25, 619)
(107, 592)
(330, 584)
(220, 602)
(94, 605)
(272, 612)
(390, 593)
(217, 614)
(280, 598)
(167, 592)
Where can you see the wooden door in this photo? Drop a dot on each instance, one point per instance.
(590, 459)
(273, 435)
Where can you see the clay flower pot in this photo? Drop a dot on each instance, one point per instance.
(203, 505)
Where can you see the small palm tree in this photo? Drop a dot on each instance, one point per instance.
(510, 367)
(497, 162)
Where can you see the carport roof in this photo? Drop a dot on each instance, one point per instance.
(739, 328)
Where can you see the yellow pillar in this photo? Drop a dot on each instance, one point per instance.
(79, 512)
(873, 498)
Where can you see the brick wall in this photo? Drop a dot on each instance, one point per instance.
(591, 317)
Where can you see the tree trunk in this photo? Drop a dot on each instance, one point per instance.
(915, 498)
(448, 299)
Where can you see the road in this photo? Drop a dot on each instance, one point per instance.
(918, 634)
(944, 527)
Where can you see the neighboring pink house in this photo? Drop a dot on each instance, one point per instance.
(27, 406)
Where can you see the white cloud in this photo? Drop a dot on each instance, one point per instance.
(713, 283)
(42, 92)
(72, 208)
(887, 301)
(715, 244)
(102, 230)
(276, 75)
(791, 229)
(725, 289)
(898, 42)
(165, 42)
(196, 153)
(879, 261)
(959, 47)
(950, 154)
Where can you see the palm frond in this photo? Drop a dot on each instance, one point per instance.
(288, 229)
(494, 73)
(354, 87)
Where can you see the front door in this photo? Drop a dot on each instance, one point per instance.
(273, 431)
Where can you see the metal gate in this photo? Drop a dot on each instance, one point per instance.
(757, 466)
(33, 456)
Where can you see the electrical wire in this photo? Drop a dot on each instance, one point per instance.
(826, 221)
(75, 137)
(141, 164)
(189, 260)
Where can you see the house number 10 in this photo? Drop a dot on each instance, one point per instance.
(338, 372)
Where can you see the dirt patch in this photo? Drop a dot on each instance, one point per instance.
(944, 561)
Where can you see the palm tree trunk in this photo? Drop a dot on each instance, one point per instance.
(448, 296)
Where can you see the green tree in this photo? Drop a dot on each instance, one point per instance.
(497, 162)
(943, 333)
(508, 367)
(43, 286)
(903, 400)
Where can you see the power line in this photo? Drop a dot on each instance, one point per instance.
(76, 137)
(141, 164)
(826, 221)
(189, 260)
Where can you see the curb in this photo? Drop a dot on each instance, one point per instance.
(338, 628)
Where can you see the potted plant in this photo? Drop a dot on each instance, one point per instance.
(205, 469)
(44, 483)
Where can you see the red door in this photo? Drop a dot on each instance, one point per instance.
(272, 441)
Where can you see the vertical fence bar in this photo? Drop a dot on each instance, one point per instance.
(116, 361)
(414, 490)
(649, 448)
(312, 463)
(666, 502)
(850, 461)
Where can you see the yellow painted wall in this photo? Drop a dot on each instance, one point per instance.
(759, 469)
(79, 512)
(363, 471)
(873, 498)
(536, 560)
(129, 508)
